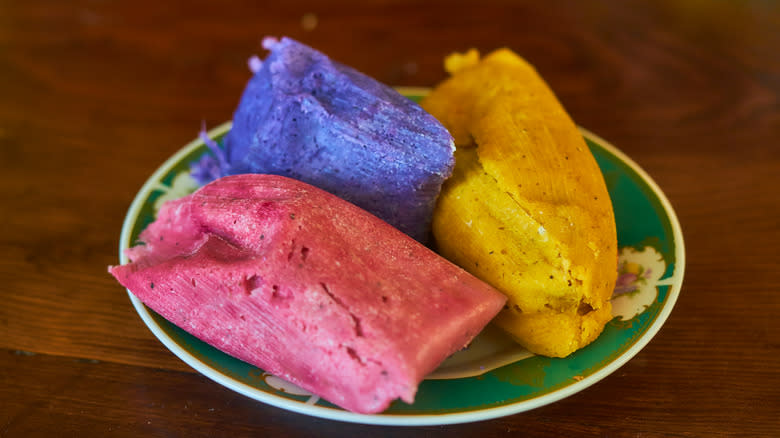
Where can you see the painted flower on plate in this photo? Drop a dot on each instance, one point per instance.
(639, 275)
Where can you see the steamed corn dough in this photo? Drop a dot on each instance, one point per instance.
(526, 209)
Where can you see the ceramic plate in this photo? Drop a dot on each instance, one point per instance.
(493, 377)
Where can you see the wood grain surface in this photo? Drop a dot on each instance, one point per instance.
(94, 95)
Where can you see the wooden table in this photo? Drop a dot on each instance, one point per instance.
(95, 95)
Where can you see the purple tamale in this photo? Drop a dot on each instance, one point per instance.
(307, 117)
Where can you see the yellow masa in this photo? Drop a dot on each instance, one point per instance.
(526, 209)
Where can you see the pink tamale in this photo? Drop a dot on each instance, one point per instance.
(308, 287)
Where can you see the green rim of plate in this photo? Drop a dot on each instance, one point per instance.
(644, 219)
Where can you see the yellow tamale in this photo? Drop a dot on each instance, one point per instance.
(526, 209)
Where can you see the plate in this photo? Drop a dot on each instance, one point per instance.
(493, 379)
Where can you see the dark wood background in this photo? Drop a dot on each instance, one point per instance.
(94, 95)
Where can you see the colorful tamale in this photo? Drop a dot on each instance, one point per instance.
(527, 208)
